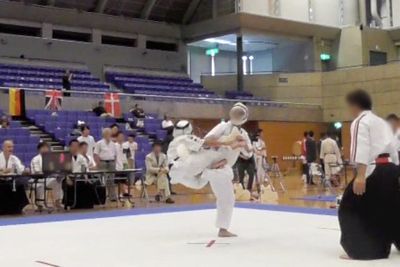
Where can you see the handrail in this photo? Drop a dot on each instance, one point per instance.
(174, 98)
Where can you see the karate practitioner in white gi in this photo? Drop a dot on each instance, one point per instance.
(197, 161)
(331, 156)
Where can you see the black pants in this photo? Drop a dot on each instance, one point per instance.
(249, 166)
(307, 171)
(370, 223)
(12, 202)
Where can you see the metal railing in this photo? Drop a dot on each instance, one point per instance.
(208, 100)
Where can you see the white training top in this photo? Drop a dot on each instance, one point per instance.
(132, 147)
(370, 137)
(36, 164)
(105, 151)
(260, 147)
(121, 157)
(90, 141)
(77, 162)
(12, 163)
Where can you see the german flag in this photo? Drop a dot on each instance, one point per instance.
(16, 102)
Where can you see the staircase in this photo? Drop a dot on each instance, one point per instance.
(36, 131)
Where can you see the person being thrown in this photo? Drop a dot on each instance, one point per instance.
(196, 161)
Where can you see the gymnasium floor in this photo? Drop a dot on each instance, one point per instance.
(185, 236)
(299, 228)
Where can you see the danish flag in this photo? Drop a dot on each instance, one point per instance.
(112, 104)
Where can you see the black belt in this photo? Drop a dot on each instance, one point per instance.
(107, 161)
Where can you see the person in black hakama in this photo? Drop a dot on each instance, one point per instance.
(13, 197)
(369, 210)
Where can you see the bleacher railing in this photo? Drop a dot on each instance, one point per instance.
(167, 98)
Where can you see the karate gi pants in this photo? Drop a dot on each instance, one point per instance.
(54, 185)
(221, 184)
(370, 223)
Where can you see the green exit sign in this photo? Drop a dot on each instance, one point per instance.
(212, 51)
(325, 57)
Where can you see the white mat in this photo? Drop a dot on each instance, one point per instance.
(180, 239)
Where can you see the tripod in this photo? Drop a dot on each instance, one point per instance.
(276, 172)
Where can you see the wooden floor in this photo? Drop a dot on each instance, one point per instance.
(295, 188)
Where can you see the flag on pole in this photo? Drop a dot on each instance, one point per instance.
(112, 104)
(53, 100)
(16, 102)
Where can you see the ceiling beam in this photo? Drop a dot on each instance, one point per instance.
(101, 6)
(194, 4)
(148, 7)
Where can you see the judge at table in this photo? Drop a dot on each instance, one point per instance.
(12, 195)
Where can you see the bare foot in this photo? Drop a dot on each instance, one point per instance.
(345, 257)
(225, 233)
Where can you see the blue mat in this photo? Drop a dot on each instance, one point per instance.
(320, 198)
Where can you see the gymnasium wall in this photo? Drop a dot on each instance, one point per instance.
(95, 56)
(297, 87)
(382, 82)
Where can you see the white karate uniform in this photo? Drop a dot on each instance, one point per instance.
(90, 141)
(121, 158)
(12, 163)
(193, 169)
(371, 136)
(78, 162)
(330, 154)
(53, 183)
(260, 156)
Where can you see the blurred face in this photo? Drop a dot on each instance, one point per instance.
(120, 138)
(353, 110)
(44, 149)
(114, 130)
(74, 148)
(131, 139)
(83, 149)
(107, 134)
(86, 132)
(237, 115)
(157, 149)
(8, 147)
(394, 124)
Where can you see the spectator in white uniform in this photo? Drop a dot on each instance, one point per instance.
(12, 196)
(105, 154)
(330, 156)
(260, 156)
(167, 123)
(133, 147)
(88, 139)
(84, 151)
(53, 183)
(394, 122)
(369, 210)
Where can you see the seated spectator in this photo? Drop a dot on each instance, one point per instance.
(139, 114)
(85, 194)
(156, 173)
(88, 139)
(12, 196)
(4, 122)
(167, 123)
(53, 183)
(101, 111)
(133, 147)
(84, 151)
